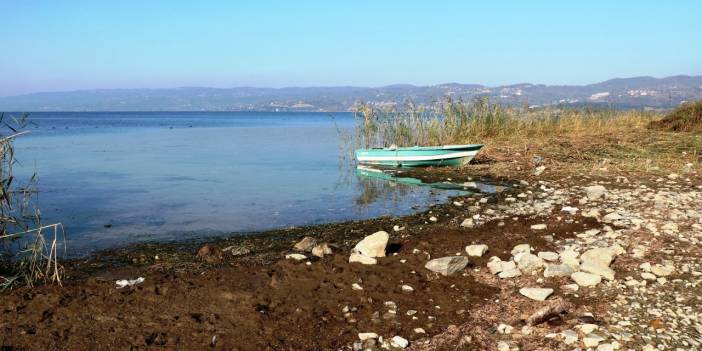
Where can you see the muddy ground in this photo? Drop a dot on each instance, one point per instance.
(249, 297)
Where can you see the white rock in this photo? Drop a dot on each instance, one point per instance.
(595, 192)
(367, 336)
(646, 267)
(476, 250)
(306, 244)
(420, 331)
(587, 328)
(594, 268)
(592, 340)
(569, 336)
(399, 342)
(571, 210)
(521, 248)
(504, 328)
(397, 228)
(321, 250)
(648, 276)
(407, 288)
(433, 219)
(662, 271)
(602, 256)
(295, 256)
(356, 286)
(538, 226)
(548, 256)
(605, 347)
(468, 223)
(358, 258)
(447, 265)
(510, 273)
(503, 345)
(538, 294)
(558, 270)
(373, 245)
(586, 279)
(570, 287)
(529, 263)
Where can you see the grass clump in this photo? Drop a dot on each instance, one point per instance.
(685, 118)
(571, 140)
(29, 249)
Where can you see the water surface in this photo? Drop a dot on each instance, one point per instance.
(118, 178)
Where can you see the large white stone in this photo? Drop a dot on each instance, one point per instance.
(595, 192)
(358, 258)
(373, 245)
(476, 250)
(558, 270)
(399, 342)
(529, 263)
(602, 256)
(306, 244)
(594, 268)
(521, 248)
(538, 294)
(548, 256)
(586, 279)
(447, 265)
(662, 271)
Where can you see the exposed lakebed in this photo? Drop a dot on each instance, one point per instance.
(115, 179)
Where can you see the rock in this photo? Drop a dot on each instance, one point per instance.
(210, 253)
(373, 245)
(558, 270)
(296, 256)
(595, 192)
(407, 288)
(602, 256)
(538, 226)
(570, 258)
(592, 340)
(611, 217)
(502, 345)
(528, 263)
(420, 331)
(237, 250)
(521, 248)
(399, 342)
(510, 273)
(397, 228)
(586, 279)
(358, 258)
(447, 265)
(321, 250)
(662, 271)
(367, 336)
(476, 250)
(569, 336)
(587, 328)
(605, 347)
(433, 219)
(538, 294)
(548, 256)
(646, 267)
(569, 209)
(468, 223)
(306, 244)
(594, 268)
(648, 276)
(504, 328)
(539, 170)
(356, 286)
(570, 287)
(494, 265)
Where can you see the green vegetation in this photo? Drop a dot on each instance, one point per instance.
(26, 255)
(685, 118)
(572, 139)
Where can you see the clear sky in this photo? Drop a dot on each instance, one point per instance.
(67, 45)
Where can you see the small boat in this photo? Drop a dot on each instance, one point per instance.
(419, 156)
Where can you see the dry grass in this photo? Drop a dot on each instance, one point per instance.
(570, 140)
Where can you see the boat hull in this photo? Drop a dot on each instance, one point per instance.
(452, 155)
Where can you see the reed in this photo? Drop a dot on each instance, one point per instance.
(579, 137)
(29, 251)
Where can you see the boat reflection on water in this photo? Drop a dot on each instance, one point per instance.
(379, 182)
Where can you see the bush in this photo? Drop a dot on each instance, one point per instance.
(685, 118)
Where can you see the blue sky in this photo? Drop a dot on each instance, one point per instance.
(69, 45)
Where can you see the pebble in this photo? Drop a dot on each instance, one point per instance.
(296, 257)
(592, 340)
(586, 279)
(476, 250)
(399, 342)
(367, 336)
(538, 294)
(538, 226)
(407, 288)
(356, 286)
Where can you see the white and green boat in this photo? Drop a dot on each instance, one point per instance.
(419, 156)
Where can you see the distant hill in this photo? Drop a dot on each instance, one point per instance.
(620, 92)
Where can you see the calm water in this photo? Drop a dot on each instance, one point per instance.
(118, 178)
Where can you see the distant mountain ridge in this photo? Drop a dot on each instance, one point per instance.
(619, 92)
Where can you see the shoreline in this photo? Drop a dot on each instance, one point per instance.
(244, 293)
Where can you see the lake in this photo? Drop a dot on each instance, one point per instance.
(117, 178)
